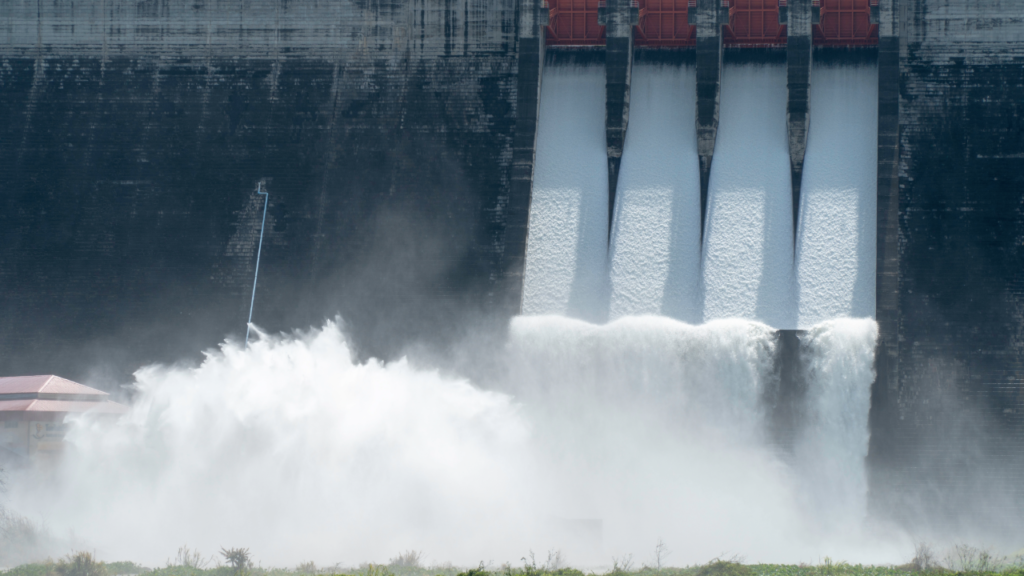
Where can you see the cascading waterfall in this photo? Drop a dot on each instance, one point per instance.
(831, 450)
(655, 244)
(745, 269)
(835, 266)
(748, 251)
(568, 232)
(645, 427)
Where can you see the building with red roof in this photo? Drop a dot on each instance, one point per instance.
(33, 410)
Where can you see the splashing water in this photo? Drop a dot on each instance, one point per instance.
(832, 450)
(596, 440)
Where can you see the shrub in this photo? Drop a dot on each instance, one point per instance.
(718, 567)
(80, 564)
(124, 568)
(924, 558)
(238, 559)
(966, 558)
(407, 559)
(189, 559)
(478, 571)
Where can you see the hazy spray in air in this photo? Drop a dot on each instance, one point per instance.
(593, 440)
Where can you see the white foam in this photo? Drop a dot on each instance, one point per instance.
(566, 266)
(748, 251)
(655, 248)
(833, 446)
(642, 428)
(836, 241)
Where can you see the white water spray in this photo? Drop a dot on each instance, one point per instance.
(831, 451)
(646, 428)
(748, 251)
(655, 247)
(566, 256)
(835, 265)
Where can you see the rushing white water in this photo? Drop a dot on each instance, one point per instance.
(835, 265)
(831, 451)
(598, 440)
(748, 249)
(295, 451)
(655, 248)
(566, 267)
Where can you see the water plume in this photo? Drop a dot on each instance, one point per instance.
(597, 440)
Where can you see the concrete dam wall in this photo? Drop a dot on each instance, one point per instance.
(401, 142)
(134, 134)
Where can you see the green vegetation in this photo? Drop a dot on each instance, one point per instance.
(961, 560)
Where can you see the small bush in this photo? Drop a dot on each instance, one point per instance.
(306, 568)
(80, 564)
(478, 571)
(924, 558)
(378, 570)
(566, 572)
(191, 559)
(407, 559)
(718, 567)
(238, 559)
(965, 558)
(622, 565)
(124, 568)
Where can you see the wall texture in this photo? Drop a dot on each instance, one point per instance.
(953, 421)
(133, 133)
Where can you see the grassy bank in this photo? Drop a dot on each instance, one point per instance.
(962, 561)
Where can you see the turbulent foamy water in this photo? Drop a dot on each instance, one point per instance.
(835, 259)
(748, 249)
(595, 440)
(655, 243)
(567, 247)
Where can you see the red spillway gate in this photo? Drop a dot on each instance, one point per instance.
(751, 23)
(754, 23)
(574, 23)
(664, 23)
(846, 23)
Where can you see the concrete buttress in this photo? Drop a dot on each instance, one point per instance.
(709, 17)
(533, 18)
(800, 17)
(619, 17)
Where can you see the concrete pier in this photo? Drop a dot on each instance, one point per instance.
(799, 17)
(532, 20)
(619, 17)
(709, 17)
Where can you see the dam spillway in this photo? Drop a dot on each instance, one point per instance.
(748, 251)
(654, 261)
(808, 393)
(567, 242)
(399, 142)
(755, 262)
(835, 255)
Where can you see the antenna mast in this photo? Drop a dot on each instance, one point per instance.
(266, 200)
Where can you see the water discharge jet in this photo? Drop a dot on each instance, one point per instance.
(653, 426)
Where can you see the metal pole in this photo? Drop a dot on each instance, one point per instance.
(266, 200)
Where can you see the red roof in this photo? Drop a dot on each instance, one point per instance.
(45, 384)
(50, 397)
(30, 405)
